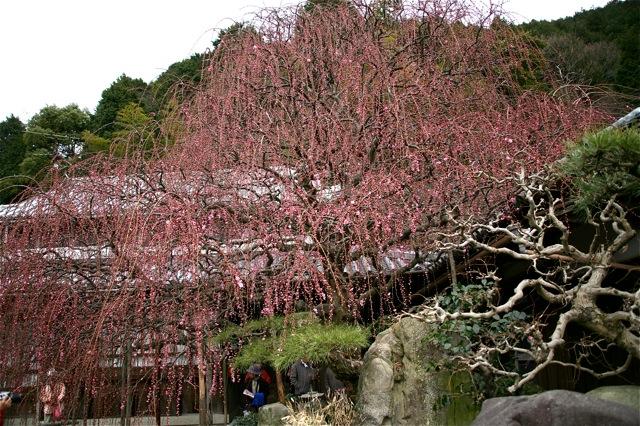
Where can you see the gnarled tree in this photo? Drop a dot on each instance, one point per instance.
(574, 239)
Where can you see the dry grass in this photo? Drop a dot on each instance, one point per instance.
(339, 411)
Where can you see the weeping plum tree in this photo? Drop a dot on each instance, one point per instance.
(312, 165)
(351, 133)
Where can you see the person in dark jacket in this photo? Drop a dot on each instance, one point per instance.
(301, 375)
(329, 384)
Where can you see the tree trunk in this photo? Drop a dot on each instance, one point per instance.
(129, 403)
(202, 385)
(452, 267)
(124, 373)
(280, 386)
(225, 384)
(157, 393)
(156, 398)
(202, 394)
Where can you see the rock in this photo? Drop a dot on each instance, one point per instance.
(627, 395)
(555, 408)
(395, 387)
(272, 414)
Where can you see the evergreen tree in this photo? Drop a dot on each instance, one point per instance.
(121, 92)
(12, 152)
(57, 130)
(179, 79)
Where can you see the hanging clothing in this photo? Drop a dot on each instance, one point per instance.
(51, 397)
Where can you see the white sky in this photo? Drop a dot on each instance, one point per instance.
(57, 52)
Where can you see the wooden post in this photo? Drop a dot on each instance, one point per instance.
(129, 403)
(74, 413)
(202, 385)
(123, 384)
(209, 385)
(225, 381)
(157, 393)
(37, 398)
(202, 393)
(280, 386)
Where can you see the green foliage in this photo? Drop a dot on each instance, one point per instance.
(280, 341)
(123, 91)
(589, 63)
(234, 30)
(57, 130)
(12, 152)
(250, 419)
(177, 80)
(35, 162)
(25, 153)
(266, 326)
(258, 350)
(317, 342)
(311, 5)
(387, 11)
(592, 34)
(94, 143)
(530, 73)
(131, 119)
(602, 165)
(11, 147)
(464, 336)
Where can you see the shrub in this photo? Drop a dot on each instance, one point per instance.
(602, 165)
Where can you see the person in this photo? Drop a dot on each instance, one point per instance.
(256, 388)
(51, 396)
(4, 405)
(264, 374)
(329, 383)
(301, 375)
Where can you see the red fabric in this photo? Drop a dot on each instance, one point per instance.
(265, 376)
(57, 413)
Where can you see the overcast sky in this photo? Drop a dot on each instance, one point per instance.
(56, 52)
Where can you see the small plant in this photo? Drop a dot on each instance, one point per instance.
(251, 419)
(463, 336)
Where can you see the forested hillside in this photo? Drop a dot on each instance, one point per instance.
(597, 46)
(61, 136)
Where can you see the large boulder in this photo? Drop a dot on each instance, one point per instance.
(555, 408)
(627, 395)
(272, 414)
(396, 388)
